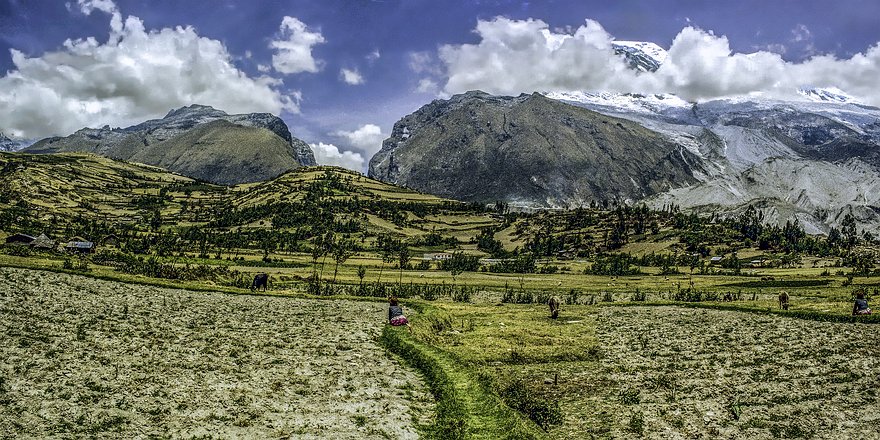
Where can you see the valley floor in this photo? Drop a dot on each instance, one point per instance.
(93, 358)
(90, 358)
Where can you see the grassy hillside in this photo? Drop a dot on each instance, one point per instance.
(51, 190)
(222, 152)
(72, 184)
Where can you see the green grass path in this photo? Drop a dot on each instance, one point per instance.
(466, 409)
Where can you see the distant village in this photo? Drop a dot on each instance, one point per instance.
(72, 245)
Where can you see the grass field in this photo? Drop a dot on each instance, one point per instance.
(668, 372)
(604, 369)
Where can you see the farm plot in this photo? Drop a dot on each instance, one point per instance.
(687, 373)
(85, 357)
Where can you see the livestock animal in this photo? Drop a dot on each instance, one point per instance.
(553, 302)
(261, 281)
(783, 301)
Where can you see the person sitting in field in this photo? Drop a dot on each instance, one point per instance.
(395, 313)
(861, 305)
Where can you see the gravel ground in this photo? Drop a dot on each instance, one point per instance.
(90, 358)
(695, 373)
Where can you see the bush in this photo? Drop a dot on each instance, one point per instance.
(543, 411)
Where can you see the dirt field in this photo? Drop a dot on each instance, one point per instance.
(102, 359)
(688, 373)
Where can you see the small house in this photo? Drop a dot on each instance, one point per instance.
(110, 240)
(715, 260)
(43, 242)
(20, 239)
(80, 247)
(440, 256)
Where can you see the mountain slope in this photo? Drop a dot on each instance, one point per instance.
(530, 151)
(47, 192)
(810, 160)
(199, 141)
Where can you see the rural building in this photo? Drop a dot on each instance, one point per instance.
(80, 247)
(440, 256)
(43, 242)
(714, 260)
(110, 240)
(20, 239)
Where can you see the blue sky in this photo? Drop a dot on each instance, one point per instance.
(392, 50)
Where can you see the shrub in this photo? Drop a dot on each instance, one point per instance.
(543, 411)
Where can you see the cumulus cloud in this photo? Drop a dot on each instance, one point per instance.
(427, 85)
(329, 154)
(373, 56)
(367, 138)
(424, 62)
(523, 56)
(87, 6)
(293, 52)
(351, 76)
(137, 74)
(106, 6)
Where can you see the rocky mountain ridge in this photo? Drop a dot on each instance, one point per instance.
(198, 141)
(530, 151)
(810, 161)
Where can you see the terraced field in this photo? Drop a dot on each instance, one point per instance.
(93, 358)
(669, 372)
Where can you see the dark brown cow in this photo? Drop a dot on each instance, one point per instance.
(553, 302)
(261, 281)
(783, 301)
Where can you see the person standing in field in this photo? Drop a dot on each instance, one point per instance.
(395, 313)
(860, 307)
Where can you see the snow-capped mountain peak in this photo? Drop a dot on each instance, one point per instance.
(10, 145)
(827, 94)
(628, 102)
(641, 55)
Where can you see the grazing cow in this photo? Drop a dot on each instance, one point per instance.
(553, 302)
(261, 280)
(783, 301)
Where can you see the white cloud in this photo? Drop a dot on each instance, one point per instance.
(367, 138)
(106, 6)
(373, 56)
(351, 76)
(424, 62)
(801, 33)
(87, 6)
(329, 154)
(427, 85)
(516, 56)
(136, 75)
(293, 52)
